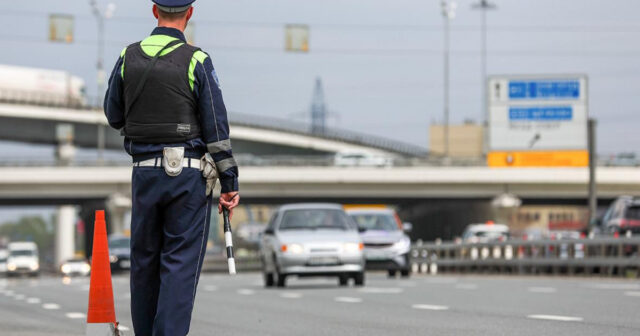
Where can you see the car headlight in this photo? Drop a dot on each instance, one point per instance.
(353, 247)
(402, 244)
(86, 268)
(113, 259)
(34, 266)
(292, 248)
(65, 269)
(11, 267)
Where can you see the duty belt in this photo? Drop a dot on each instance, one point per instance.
(157, 163)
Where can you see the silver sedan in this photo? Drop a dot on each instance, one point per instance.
(311, 240)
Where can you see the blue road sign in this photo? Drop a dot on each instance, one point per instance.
(544, 89)
(541, 113)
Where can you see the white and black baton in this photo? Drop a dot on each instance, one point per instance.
(228, 241)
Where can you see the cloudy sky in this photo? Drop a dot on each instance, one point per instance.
(380, 60)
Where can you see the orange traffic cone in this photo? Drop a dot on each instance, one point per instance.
(101, 316)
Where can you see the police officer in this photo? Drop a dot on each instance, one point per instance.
(164, 96)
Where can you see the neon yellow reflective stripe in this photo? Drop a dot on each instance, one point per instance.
(152, 44)
(124, 51)
(198, 57)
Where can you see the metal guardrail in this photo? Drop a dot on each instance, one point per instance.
(218, 263)
(599, 256)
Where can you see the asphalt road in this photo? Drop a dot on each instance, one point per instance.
(421, 305)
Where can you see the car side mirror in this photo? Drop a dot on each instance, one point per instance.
(361, 229)
(407, 227)
(268, 232)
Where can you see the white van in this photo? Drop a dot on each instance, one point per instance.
(3, 261)
(23, 259)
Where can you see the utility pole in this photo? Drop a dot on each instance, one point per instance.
(318, 109)
(449, 13)
(593, 157)
(100, 19)
(484, 6)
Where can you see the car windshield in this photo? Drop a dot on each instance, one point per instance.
(633, 212)
(312, 219)
(119, 243)
(376, 222)
(22, 253)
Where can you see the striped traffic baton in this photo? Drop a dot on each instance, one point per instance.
(228, 241)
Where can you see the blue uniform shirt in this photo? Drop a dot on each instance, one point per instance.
(211, 109)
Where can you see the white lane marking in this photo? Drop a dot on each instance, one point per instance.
(407, 284)
(556, 318)
(33, 300)
(429, 307)
(211, 288)
(347, 299)
(245, 291)
(378, 290)
(19, 297)
(467, 286)
(290, 295)
(441, 280)
(542, 289)
(123, 328)
(51, 306)
(632, 294)
(613, 286)
(75, 315)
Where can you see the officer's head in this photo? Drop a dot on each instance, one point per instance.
(173, 13)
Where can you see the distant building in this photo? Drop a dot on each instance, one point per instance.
(465, 140)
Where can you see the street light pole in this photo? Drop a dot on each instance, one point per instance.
(484, 6)
(100, 19)
(448, 13)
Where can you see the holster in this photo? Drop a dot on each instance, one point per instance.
(172, 158)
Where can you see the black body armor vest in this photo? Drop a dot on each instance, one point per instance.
(166, 110)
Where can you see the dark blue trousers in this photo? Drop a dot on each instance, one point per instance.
(169, 229)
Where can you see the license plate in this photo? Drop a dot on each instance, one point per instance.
(125, 264)
(322, 261)
(376, 256)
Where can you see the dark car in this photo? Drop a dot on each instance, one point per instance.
(120, 253)
(622, 216)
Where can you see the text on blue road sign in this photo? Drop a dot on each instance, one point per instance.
(541, 113)
(544, 89)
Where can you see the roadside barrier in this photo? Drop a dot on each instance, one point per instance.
(101, 316)
(598, 256)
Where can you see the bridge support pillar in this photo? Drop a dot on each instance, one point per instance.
(65, 229)
(118, 205)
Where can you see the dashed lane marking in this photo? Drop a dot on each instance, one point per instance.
(75, 316)
(556, 318)
(467, 286)
(51, 306)
(381, 290)
(33, 300)
(123, 328)
(429, 307)
(542, 289)
(615, 286)
(632, 294)
(346, 299)
(290, 295)
(245, 291)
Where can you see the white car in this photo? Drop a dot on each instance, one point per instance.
(308, 240)
(358, 159)
(76, 267)
(23, 259)
(485, 233)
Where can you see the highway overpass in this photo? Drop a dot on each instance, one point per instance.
(250, 134)
(24, 185)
